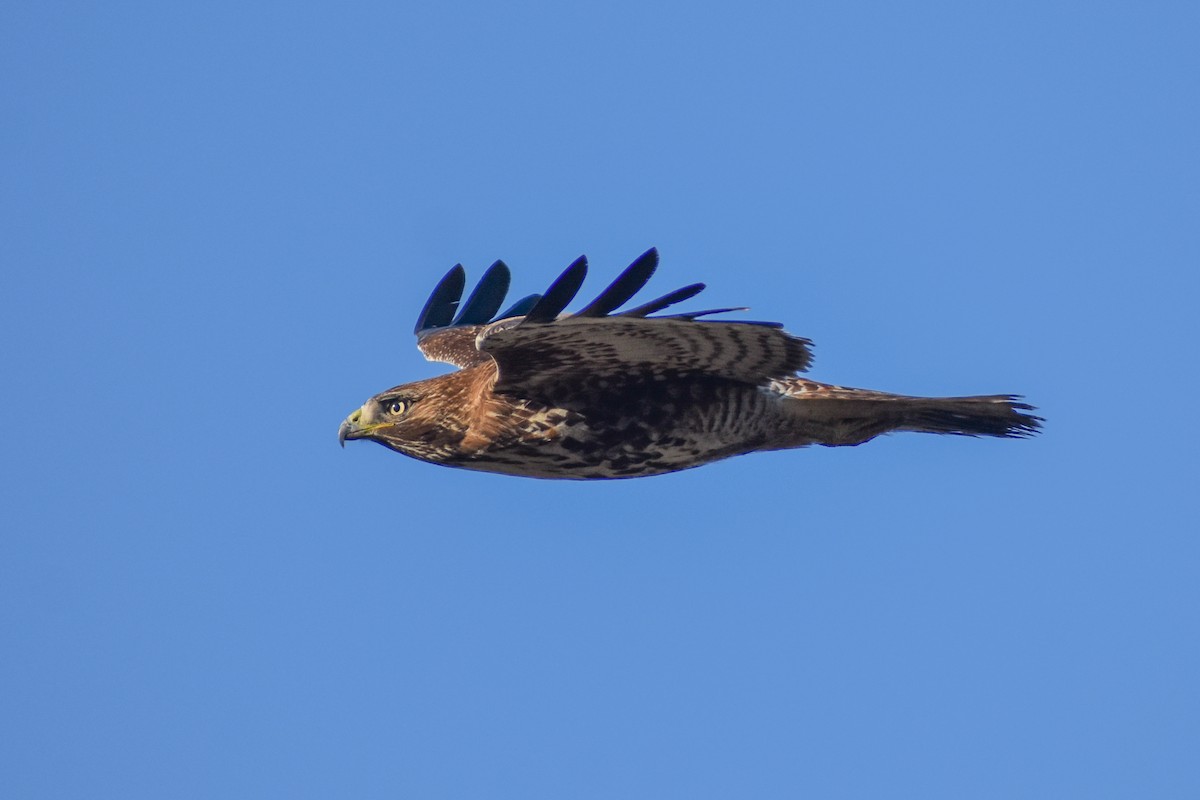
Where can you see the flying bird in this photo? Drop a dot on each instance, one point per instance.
(605, 394)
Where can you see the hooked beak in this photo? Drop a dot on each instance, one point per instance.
(359, 425)
(351, 428)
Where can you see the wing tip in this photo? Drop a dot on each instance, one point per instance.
(561, 292)
(487, 296)
(545, 308)
(439, 308)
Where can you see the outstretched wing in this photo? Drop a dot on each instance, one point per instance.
(442, 336)
(535, 345)
(544, 348)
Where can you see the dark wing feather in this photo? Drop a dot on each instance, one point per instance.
(487, 297)
(439, 308)
(443, 337)
(677, 296)
(521, 307)
(627, 284)
(561, 292)
(693, 315)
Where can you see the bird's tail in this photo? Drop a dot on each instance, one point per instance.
(838, 415)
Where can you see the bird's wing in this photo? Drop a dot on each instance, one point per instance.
(453, 346)
(540, 349)
(444, 336)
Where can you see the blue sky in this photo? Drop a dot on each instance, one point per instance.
(220, 220)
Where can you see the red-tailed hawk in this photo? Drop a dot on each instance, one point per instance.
(601, 394)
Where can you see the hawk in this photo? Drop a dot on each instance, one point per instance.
(601, 394)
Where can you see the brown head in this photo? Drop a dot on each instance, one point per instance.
(420, 419)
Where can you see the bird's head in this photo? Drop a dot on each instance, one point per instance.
(410, 419)
(424, 419)
(381, 417)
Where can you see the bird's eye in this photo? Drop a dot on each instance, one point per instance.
(398, 407)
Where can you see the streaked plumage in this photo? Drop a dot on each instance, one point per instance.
(602, 394)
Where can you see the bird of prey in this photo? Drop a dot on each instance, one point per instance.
(601, 394)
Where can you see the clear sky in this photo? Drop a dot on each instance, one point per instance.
(218, 222)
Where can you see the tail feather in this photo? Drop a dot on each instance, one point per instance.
(992, 415)
(838, 415)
